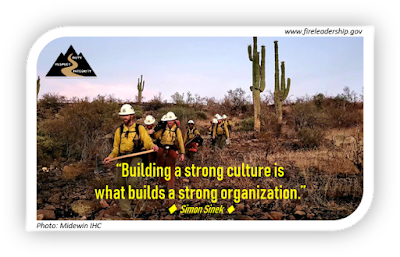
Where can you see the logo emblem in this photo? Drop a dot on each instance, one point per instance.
(71, 65)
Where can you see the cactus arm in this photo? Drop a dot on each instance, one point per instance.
(38, 85)
(284, 89)
(249, 50)
(141, 84)
(286, 93)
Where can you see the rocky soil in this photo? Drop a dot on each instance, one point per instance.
(67, 193)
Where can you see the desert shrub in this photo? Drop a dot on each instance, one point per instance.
(155, 103)
(319, 100)
(138, 111)
(238, 98)
(213, 106)
(183, 113)
(247, 124)
(51, 101)
(198, 102)
(340, 111)
(343, 110)
(79, 130)
(178, 99)
(340, 117)
(306, 115)
(236, 101)
(48, 149)
(309, 137)
(211, 101)
(269, 122)
(201, 115)
(226, 106)
(49, 105)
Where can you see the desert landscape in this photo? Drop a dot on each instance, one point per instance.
(319, 142)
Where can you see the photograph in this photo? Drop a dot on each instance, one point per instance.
(200, 128)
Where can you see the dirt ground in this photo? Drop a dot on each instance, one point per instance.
(333, 184)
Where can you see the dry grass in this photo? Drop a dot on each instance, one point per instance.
(332, 171)
(333, 183)
(322, 160)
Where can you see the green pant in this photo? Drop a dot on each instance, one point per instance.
(134, 182)
(220, 141)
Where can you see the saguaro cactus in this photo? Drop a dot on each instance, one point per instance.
(140, 87)
(281, 90)
(37, 87)
(258, 83)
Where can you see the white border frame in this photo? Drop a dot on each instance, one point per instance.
(223, 225)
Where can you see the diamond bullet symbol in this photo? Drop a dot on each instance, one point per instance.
(172, 209)
(231, 209)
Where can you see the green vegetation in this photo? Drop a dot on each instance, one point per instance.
(258, 83)
(140, 87)
(281, 90)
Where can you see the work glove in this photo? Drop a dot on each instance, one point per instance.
(228, 141)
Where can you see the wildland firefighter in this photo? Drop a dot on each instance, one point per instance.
(192, 140)
(221, 133)
(149, 122)
(211, 130)
(129, 138)
(170, 144)
(228, 123)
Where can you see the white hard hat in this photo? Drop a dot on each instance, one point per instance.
(170, 116)
(216, 115)
(215, 120)
(190, 122)
(163, 117)
(224, 116)
(219, 117)
(149, 120)
(126, 109)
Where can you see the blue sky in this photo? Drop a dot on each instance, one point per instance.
(208, 66)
